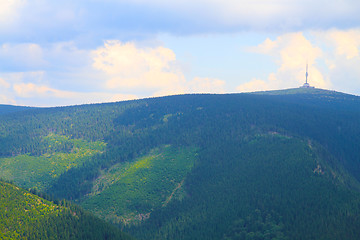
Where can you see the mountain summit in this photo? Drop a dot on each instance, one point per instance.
(268, 165)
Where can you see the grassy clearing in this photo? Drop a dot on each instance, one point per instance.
(39, 172)
(127, 193)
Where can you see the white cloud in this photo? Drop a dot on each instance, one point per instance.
(28, 90)
(346, 43)
(291, 52)
(121, 97)
(257, 14)
(6, 100)
(259, 85)
(342, 58)
(333, 58)
(47, 96)
(93, 21)
(26, 55)
(113, 72)
(4, 84)
(206, 85)
(4, 93)
(129, 67)
(62, 65)
(9, 12)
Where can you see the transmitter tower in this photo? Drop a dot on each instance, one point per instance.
(306, 84)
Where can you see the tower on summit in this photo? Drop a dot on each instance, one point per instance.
(306, 84)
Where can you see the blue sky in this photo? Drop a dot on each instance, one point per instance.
(55, 53)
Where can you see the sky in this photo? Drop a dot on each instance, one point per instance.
(59, 53)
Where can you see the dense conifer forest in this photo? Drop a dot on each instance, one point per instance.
(24, 215)
(270, 165)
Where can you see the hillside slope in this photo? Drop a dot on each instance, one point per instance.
(27, 216)
(270, 187)
(6, 109)
(282, 164)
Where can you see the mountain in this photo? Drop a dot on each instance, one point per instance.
(267, 165)
(5, 109)
(27, 216)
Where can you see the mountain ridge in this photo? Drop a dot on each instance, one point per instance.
(247, 164)
(287, 91)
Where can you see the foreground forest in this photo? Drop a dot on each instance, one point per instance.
(24, 215)
(270, 165)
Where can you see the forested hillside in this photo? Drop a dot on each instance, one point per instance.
(269, 165)
(27, 216)
(5, 109)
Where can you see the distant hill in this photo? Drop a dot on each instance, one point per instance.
(27, 216)
(4, 109)
(268, 165)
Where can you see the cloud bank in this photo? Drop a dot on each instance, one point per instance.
(291, 51)
(112, 72)
(94, 21)
(72, 52)
(332, 57)
(128, 67)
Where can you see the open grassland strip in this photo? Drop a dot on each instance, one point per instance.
(129, 192)
(39, 172)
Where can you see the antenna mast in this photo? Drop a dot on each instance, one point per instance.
(306, 73)
(306, 84)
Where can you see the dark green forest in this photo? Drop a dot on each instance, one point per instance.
(5, 109)
(24, 215)
(268, 165)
